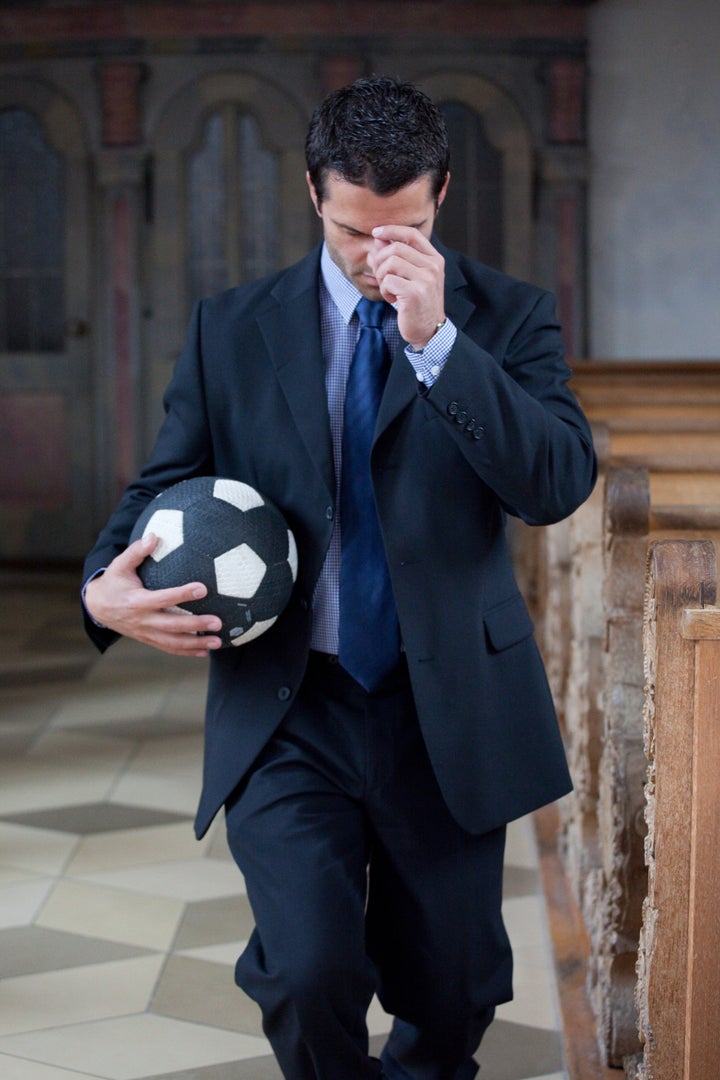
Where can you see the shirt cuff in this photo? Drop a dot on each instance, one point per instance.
(429, 362)
(101, 626)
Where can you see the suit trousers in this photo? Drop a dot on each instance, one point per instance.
(361, 882)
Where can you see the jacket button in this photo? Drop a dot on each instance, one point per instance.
(283, 693)
(478, 433)
(461, 417)
(329, 513)
(453, 408)
(471, 425)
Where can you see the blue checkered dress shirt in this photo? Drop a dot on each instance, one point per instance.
(339, 329)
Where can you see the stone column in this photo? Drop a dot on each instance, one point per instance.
(562, 202)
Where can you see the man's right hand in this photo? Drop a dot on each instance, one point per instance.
(118, 600)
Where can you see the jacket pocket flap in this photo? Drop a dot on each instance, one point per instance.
(508, 623)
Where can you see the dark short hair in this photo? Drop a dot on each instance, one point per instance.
(378, 132)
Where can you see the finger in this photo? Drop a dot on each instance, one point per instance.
(404, 234)
(399, 267)
(186, 643)
(136, 552)
(413, 293)
(408, 280)
(182, 644)
(383, 253)
(408, 286)
(162, 599)
(145, 613)
(176, 621)
(179, 632)
(398, 263)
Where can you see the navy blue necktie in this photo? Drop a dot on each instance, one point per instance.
(369, 635)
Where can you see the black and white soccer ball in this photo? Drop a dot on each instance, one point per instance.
(228, 536)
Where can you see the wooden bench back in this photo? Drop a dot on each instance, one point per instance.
(603, 831)
(657, 433)
(678, 991)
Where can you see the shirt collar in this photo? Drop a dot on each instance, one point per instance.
(342, 291)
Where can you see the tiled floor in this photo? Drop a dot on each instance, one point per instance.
(118, 931)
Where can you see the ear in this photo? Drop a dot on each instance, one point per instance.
(443, 192)
(313, 195)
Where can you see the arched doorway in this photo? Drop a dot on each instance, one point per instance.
(488, 212)
(46, 388)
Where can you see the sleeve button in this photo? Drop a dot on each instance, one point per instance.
(453, 408)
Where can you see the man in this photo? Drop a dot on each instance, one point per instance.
(367, 812)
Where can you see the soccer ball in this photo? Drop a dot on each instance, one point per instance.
(228, 536)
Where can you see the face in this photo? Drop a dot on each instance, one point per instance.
(350, 212)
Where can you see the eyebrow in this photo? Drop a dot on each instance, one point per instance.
(359, 232)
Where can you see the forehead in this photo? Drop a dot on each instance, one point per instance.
(357, 207)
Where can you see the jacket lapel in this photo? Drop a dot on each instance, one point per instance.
(458, 306)
(290, 324)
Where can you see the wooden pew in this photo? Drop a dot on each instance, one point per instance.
(584, 580)
(603, 828)
(684, 466)
(663, 414)
(619, 390)
(678, 989)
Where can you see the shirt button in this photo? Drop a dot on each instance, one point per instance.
(435, 370)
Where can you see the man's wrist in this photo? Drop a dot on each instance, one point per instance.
(429, 362)
(83, 594)
(420, 348)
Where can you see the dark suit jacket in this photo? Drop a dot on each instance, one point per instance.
(499, 431)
